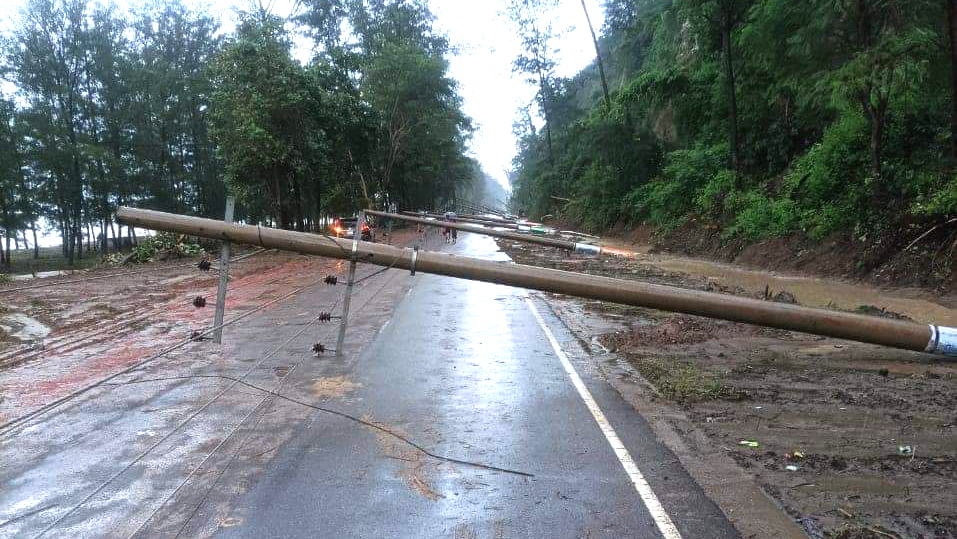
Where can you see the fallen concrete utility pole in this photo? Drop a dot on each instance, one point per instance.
(521, 224)
(463, 216)
(548, 242)
(516, 221)
(476, 217)
(472, 220)
(884, 331)
(537, 229)
(478, 208)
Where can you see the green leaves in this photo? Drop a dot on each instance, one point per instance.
(844, 119)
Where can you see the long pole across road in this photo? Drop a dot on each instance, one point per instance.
(841, 325)
(512, 225)
(548, 242)
(466, 219)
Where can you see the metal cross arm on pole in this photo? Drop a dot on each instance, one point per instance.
(842, 325)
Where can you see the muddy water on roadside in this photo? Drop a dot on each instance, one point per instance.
(920, 305)
(23, 327)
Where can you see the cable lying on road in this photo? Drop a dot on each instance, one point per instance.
(233, 431)
(9, 426)
(235, 454)
(165, 437)
(137, 272)
(235, 381)
(369, 424)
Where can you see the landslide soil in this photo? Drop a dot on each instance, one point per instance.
(914, 254)
(853, 440)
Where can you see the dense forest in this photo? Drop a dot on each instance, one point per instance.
(756, 118)
(155, 106)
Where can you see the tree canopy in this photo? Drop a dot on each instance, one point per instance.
(759, 117)
(156, 107)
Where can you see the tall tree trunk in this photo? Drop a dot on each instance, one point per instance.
(70, 240)
(281, 205)
(877, 146)
(78, 228)
(297, 194)
(64, 235)
(36, 244)
(7, 228)
(103, 238)
(952, 31)
(877, 115)
(548, 124)
(732, 95)
(116, 241)
(601, 64)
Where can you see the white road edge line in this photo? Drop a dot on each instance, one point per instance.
(662, 520)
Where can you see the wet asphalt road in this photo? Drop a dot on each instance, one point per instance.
(463, 369)
(466, 370)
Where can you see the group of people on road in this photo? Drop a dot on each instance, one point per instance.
(451, 234)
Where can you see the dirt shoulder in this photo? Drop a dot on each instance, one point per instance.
(57, 338)
(903, 257)
(850, 440)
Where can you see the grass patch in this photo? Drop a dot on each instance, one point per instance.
(682, 382)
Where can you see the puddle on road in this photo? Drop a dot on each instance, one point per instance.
(40, 275)
(22, 327)
(333, 387)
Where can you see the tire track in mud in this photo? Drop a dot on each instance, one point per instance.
(64, 335)
(86, 347)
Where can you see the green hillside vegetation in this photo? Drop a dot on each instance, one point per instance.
(762, 118)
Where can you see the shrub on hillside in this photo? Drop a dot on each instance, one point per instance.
(671, 197)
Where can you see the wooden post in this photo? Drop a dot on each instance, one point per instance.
(223, 276)
(356, 236)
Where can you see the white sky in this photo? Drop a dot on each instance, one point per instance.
(486, 44)
(483, 67)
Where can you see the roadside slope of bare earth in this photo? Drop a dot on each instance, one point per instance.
(917, 256)
(850, 440)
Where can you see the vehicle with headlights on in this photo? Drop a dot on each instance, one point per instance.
(345, 227)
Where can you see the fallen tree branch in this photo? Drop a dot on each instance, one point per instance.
(929, 232)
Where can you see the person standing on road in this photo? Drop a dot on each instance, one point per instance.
(451, 234)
